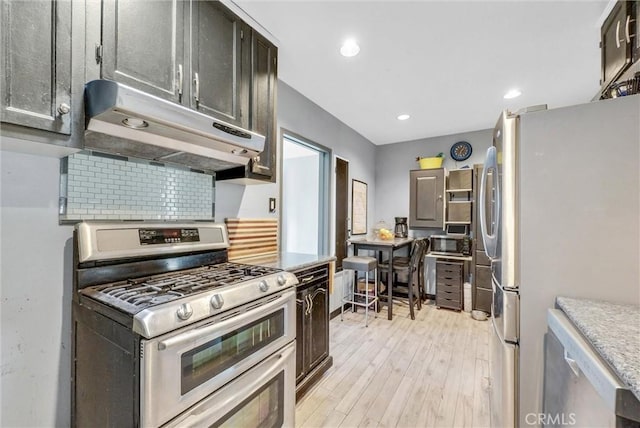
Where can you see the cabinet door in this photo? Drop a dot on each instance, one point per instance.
(483, 294)
(36, 64)
(616, 42)
(143, 45)
(301, 308)
(263, 103)
(220, 63)
(318, 326)
(426, 204)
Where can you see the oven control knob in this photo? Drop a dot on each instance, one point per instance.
(184, 311)
(217, 301)
(263, 285)
(281, 280)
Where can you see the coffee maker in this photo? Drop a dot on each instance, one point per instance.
(401, 230)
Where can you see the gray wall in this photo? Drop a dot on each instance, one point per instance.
(35, 291)
(299, 115)
(394, 161)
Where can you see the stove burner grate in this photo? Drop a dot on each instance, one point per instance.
(138, 293)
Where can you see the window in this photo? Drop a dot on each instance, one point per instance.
(305, 196)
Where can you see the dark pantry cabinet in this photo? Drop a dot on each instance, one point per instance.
(312, 326)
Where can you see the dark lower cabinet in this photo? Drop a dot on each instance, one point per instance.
(312, 326)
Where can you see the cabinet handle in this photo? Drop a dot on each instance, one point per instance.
(626, 29)
(196, 81)
(572, 364)
(618, 35)
(309, 305)
(180, 81)
(64, 109)
(308, 278)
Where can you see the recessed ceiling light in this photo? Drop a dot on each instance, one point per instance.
(513, 93)
(403, 117)
(349, 48)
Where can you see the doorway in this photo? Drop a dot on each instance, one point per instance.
(305, 196)
(342, 211)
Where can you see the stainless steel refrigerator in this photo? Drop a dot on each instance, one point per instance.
(560, 215)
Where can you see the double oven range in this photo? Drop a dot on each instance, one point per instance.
(167, 332)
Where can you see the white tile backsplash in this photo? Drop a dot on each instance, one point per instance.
(112, 189)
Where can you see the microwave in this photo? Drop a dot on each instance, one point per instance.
(450, 245)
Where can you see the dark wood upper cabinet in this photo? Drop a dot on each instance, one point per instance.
(617, 42)
(263, 94)
(264, 72)
(36, 65)
(200, 54)
(426, 199)
(143, 45)
(197, 53)
(221, 49)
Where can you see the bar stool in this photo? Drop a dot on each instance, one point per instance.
(366, 265)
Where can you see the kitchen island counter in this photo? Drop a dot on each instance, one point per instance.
(613, 330)
(287, 261)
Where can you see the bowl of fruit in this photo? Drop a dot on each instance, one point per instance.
(383, 232)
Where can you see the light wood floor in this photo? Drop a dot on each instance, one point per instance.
(430, 372)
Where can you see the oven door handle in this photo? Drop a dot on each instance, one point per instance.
(228, 324)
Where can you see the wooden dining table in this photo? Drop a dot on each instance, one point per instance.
(382, 247)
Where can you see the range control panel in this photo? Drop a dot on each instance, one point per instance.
(168, 236)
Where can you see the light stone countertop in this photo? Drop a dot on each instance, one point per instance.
(287, 261)
(613, 330)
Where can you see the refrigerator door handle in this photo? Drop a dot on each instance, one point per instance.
(490, 237)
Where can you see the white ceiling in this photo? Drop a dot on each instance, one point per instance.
(447, 64)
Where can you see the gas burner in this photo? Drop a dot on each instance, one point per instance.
(135, 294)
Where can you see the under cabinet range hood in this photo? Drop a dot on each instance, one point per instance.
(125, 121)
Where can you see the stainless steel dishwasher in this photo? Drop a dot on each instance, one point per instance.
(580, 389)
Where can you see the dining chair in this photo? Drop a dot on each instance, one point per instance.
(409, 268)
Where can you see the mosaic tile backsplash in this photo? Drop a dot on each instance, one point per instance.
(106, 188)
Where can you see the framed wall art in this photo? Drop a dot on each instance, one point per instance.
(358, 207)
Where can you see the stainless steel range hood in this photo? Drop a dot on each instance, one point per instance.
(128, 122)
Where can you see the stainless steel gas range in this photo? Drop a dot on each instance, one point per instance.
(167, 332)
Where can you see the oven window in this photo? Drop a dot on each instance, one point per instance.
(212, 358)
(262, 409)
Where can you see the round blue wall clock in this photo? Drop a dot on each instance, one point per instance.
(461, 151)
